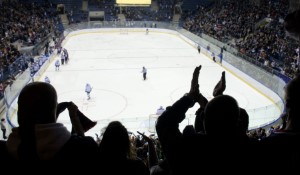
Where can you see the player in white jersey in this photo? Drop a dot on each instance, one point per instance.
(57, 64)
(160, 110)
(147, 31)
(47, 80)
(88, 89)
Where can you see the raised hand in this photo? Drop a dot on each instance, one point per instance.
(194, 90)
(220, 86)
(76, 125)
(145, 137)
(72, 108)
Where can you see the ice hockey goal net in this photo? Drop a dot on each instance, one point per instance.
(152, 122)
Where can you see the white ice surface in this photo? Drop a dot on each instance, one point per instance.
(112, 64)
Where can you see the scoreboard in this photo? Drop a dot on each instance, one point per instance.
(133, 2)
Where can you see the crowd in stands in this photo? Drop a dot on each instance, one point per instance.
(255, 30)
(164, 12)
(22, 25)
(26, 23)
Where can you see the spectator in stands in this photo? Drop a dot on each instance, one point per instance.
(202, 101)
(214, 147)
(156, 167)
(37, 105)
(234, 25)
(243, 122)
(287, 139)
(114, 152)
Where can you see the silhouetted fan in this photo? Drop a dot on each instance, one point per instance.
(220, 86)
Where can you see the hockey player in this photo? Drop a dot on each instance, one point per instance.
(88, 90)
(221, 58)
(59, 50)
(147, 31)
(199, 49)
(144, 71)
(3, 128)
(66, 54)
(160, 110)
(57, 64)
(47, 80)
(62, 58)
(213, 56)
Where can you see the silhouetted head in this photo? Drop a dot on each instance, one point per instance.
(37, 104)
(221, 114)
(292, 95)
(115, 142)
(243, 121)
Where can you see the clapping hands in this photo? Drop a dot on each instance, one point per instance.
(194, 90)
(220, 86)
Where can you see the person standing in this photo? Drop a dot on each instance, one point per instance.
(88, 89)
(39, 136)
(199, 49)
(213, 56)
(57, 64)
(160, 110)
(144, 71)
(47, 80)
(66, 55)
(3, 128)
(62, 58)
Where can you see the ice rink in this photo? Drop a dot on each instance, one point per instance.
(112, 64)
